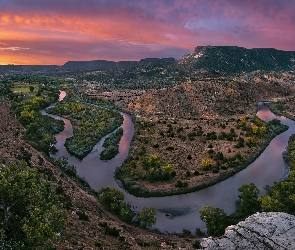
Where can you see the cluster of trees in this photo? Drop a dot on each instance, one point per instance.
(40, 129)
(62, 163)
(156, 169)
(90, 124)
(217, 220)
(113, 200)
(217, 160)
(278, 198)
(111, 145)
(30, 215)
(276, 126)
(150, 168)
(228, 136)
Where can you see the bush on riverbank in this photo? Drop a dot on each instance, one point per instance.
(90, 124)
(112, 200)
(111, 145)
(277, 127)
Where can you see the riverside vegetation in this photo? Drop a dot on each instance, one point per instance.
(278, 198)
(90, 123)
(40, 129)
(76, 207)
(111, 145)
(219, 154)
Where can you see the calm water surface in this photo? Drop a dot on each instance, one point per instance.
(177, 212)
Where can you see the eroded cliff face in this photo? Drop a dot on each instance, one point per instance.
(259, 231)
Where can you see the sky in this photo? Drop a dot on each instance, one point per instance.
(56, 31)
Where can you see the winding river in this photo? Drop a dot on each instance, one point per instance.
(178, 212)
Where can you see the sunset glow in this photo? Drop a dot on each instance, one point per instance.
(53, 32)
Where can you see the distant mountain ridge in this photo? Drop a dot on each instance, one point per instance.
(233, 59)
(105, 65)
(212, 59)
(28, 68)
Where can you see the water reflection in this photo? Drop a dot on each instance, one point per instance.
(181, 211)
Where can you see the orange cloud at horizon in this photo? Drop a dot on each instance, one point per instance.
(30, 29)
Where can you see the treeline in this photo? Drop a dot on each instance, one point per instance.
(112, 199)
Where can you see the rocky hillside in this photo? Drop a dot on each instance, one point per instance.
(212, 97)
(233, 59)
(259, 231)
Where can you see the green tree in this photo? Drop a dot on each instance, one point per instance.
(249, 202)
(32, 88)
(153, 161)
(146, 217)
(281, 197)
(215, 219)
(27, 116)
(49, 141)
(110, 195)
(269, 204)
(112, 199)
(126, 213)
(30, 216)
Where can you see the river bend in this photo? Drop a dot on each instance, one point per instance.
(178, 212)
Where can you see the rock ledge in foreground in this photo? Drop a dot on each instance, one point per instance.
(259, 231)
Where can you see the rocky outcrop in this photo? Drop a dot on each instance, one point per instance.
(259, 231)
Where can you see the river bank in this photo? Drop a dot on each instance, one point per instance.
(228, 150)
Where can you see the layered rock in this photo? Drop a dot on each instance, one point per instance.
(259, 231)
